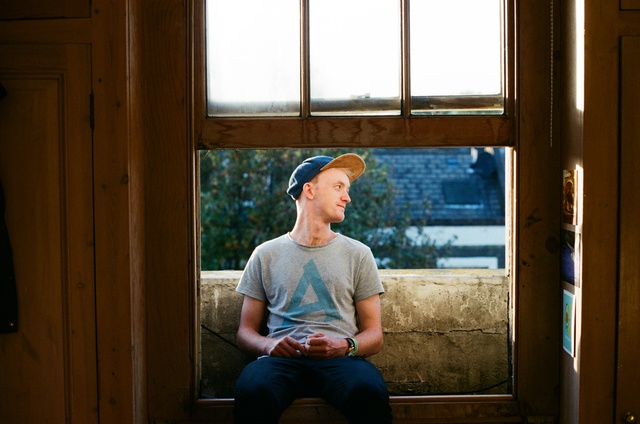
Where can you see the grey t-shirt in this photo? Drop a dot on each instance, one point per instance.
(311, 289)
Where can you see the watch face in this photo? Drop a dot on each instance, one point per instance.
(351, 347)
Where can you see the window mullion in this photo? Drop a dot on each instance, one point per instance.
(305, 98)
(406, 68)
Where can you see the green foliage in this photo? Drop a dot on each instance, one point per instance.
(243, 203)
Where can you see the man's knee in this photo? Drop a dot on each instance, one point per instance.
(366, 403)
(263, 391)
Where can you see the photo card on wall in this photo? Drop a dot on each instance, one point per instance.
(570, 196)
(569, 322)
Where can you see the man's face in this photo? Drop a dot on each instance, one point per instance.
(331, 194)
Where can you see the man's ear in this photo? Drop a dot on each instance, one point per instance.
(307, 190)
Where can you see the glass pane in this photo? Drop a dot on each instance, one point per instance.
(355, 63)
(253, 57)
(420, 209)
(456, 53)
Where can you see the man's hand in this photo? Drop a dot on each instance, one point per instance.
(319, 346)
(287, 347)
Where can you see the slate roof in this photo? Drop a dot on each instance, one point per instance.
(464, 186)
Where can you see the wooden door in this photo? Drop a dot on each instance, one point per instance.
(48, 367)
(628, 373)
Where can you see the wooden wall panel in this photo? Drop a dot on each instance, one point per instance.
(38, 9)
(119, 207)
(595, 309)
(628, 391)
(169, 206)
(630, 4)
(48, 367)
(32, 186)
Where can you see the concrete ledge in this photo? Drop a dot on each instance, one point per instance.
(446, 332)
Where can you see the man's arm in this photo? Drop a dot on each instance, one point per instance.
(370, 317)
(369, 339)
(252, 342)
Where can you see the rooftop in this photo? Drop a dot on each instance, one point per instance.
(464, 186)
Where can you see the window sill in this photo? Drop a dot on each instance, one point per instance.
(486, 409)
(425, 313)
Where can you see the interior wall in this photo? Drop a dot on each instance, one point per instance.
(591, 141)
(627, 389)
(97, 337)
(48, 364)
(127, 220)
(596, 307)
(568, 132)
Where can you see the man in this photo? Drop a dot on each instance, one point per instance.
(322, 294)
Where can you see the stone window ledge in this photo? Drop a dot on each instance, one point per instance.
(446, 332)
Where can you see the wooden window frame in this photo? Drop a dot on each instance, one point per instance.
(525, 127)
(406, 130)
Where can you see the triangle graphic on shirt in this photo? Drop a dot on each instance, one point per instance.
(298, 307)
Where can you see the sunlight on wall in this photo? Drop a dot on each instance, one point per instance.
(579, 25)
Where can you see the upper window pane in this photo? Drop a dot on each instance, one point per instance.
(253, 57)
(346, 57)
(456, 52)
(355, 61)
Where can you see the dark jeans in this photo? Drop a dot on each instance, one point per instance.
(353, 385)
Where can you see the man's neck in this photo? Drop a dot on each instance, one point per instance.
(307, 236)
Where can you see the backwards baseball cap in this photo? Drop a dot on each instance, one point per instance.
(352, 164)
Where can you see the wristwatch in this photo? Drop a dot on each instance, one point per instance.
(353, 346)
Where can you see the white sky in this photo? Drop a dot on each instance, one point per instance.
(355, 48)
